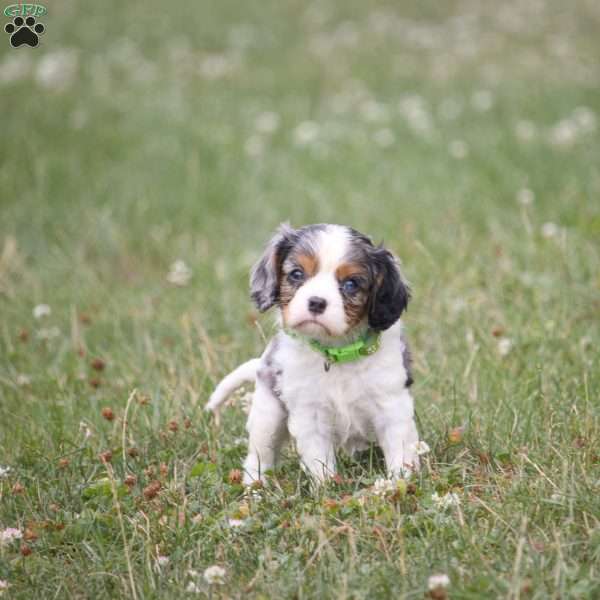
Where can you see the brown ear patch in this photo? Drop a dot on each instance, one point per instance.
(308, 262)
(349, 270)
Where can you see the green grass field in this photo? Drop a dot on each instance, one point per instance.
(464, 134)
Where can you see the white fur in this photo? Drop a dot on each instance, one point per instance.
(346, 407)
(230, 383)
(332, 244)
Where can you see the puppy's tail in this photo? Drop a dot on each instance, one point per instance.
(231, 382)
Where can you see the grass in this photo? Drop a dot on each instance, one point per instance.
(132, 138)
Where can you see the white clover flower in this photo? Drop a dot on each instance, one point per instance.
(384, 138)
(421, 448)
(23, 380)
(215, 575)
(162, 561)
(252, 493)
(15, 67)
(48, 333)
(525, 130)
(10, 534)
(4, 585)
(438, 581)
(585, 119)
(216, 66)
(504, 346)
(56, 70)
(413, 109)
(381, 487)
(233, 523)
(192, 588)
(550, 230)
(306, 133)
(482, 100)
(525, 197)
(254, 146)
(373, 111)
(267, 122)
(458, 149)
(179, 274)
(564, 133)
(445, 501)
(4, 471)
(84, 428)
(41, 310)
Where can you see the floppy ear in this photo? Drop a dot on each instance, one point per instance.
(264, 277)
(391, 293)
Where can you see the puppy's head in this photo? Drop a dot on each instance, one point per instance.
(329, 281)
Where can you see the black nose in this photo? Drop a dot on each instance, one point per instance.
(317, 305)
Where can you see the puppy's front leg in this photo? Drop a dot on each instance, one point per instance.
(397, 435)
(267, 429)
(315, 446)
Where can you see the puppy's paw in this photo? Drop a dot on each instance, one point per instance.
(409, 467)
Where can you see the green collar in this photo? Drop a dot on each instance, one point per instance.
(368, 344)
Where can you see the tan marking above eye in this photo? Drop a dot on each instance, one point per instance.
(309, 263)
(348, 270)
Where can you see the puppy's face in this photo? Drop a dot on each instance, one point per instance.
(328, 281)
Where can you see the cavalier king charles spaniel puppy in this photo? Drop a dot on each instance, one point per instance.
(337, 373)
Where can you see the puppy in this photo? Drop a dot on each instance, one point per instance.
(337, 374)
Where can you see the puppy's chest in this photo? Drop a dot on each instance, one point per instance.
(343, 399)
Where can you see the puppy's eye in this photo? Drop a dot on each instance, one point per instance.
(350, 286)
(296, 276)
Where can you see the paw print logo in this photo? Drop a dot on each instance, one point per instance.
(24, 31)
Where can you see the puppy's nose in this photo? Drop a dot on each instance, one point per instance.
(317, 305)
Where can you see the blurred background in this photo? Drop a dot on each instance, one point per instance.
(149, 151)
